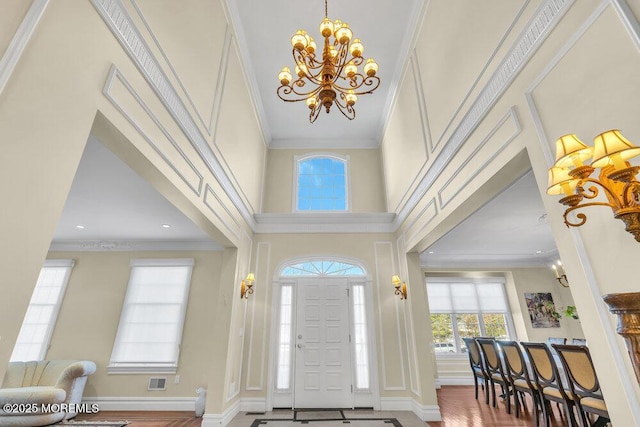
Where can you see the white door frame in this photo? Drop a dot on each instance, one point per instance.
(277, 283)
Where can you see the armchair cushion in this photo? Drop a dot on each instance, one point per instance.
(45, 381)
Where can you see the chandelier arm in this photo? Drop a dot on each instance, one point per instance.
(314, 113)
(341, 61)
(582, 217)
(347, 110)
(286, 90)
(592, 192)
(368, 81)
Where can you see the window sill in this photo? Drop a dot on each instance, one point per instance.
(132, 370)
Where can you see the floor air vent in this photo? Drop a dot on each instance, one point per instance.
(157, 383)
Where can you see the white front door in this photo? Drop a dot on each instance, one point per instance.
(322, 349)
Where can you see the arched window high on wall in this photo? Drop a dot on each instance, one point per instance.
(321, 183)
(356, 276)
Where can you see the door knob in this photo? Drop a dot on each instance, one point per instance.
(300, 345)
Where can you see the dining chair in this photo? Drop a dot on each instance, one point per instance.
(548, 381)
(493, 366)
(479, 372)
(518, 374)
(583, 382)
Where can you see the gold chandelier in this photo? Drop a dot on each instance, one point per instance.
(617, 178)
(335, 78)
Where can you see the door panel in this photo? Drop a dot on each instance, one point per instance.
(323, 355)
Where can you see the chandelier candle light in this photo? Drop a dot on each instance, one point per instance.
(335, 78)
(617, 179)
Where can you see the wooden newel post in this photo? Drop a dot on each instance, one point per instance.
(627, 307)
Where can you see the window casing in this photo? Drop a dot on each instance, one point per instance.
(150, 329)
(40, 319)
(463, 307)
(321, 183)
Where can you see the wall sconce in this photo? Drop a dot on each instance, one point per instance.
(246, 287)
(401, 287)
(617, 177)
(561, 275)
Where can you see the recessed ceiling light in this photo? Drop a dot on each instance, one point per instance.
(80, 227)
(538, 252)
(430, 252)
(166, 226)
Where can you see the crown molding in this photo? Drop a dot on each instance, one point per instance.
(325, 222)
(324, 143)
(132, 245)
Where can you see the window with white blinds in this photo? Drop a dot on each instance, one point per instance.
(463, 307)
(152, 318)
(40, 319)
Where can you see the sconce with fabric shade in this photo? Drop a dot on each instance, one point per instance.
(246, 287)
(617, 179)
(400, 286)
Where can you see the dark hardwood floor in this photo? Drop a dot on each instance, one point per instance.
(458, 406)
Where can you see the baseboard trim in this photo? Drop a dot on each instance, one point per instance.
(426, 412)
(455, 381)
(253, 404)
(143, 403)
(216, 420)
(396, 404)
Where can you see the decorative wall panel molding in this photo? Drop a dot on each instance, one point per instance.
(525, 4)
(121, 25)
(544, 20)
(20, 39)
(263, 261)
(445, 196)
(383, 253)
(219, 209)
(208, 126)
(425, 216)
(116, 76)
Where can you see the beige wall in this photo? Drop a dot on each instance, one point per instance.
(501, 124)
(164, 126)
(365, 178)
(397, 371)
(90, 313)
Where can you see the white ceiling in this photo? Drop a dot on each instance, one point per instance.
(264, 30)
(119, 210)
(510, 230)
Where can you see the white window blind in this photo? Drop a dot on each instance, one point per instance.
(455, 297)
(152, 318)
(39, 321)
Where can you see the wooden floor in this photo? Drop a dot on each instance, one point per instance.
(458, 406)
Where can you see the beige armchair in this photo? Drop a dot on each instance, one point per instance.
(48, 384)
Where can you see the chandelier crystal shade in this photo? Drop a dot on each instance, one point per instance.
(330, 76)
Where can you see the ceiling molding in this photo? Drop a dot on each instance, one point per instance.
(132, 245)
(326, 222)
(321, 143)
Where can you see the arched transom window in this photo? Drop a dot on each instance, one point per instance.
(322, 267)
(321, 183)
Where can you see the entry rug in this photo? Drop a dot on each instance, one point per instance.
(328, 418)
(92, 423)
